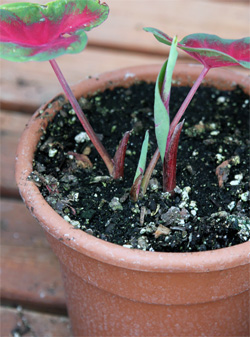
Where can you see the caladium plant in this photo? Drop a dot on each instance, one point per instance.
(33, 32)
(212, 51)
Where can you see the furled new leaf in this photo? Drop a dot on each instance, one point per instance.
(33, 32)
(119, 158)
(162, 98)
(211, 50)
(143, 157)
(135, 189)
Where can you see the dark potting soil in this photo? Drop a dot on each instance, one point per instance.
(201, 216)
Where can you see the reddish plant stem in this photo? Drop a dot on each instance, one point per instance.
(187, 100)
(82, 118)
(169, 165)
(119, 158)
(149, 171)
(175, 121)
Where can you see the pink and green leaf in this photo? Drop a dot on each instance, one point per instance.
(162, 98)
(33, 32)
(211, 50)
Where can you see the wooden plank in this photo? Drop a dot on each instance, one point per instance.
(12, 125)
(12, 122)
(31, 276)
(124, 27)
(32, 324)
(30, 270)
(25, 86)
(7, 163)
(18, 227)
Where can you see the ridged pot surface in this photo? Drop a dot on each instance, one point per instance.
(115, 291)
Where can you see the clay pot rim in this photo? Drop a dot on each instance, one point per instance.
(106, 252)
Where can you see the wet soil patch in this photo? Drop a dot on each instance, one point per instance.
(210, 206)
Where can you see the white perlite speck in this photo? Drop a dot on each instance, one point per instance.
(238, 178)
(52, 152)
(244, 196)
(184, 196)
(127, 246)
(81, 137)
(186, 191)
(219, 158)
(214, 133)
(115, 204)
(231, 205)
(74, 223)
(221, 99)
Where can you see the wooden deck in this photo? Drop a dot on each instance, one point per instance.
(33, 302)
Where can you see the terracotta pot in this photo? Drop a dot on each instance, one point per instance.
(115, 291)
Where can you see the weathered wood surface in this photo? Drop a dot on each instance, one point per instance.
(121, 42)
(12, 124)
(31, 324)
(24, 87)
(30, 274)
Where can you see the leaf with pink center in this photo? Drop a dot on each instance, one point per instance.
(211, 50)
(33, 32)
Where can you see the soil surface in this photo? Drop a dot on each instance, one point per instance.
(208, 211)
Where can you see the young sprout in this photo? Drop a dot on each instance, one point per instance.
(33, 32)
(135, 189)
(212, 52)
